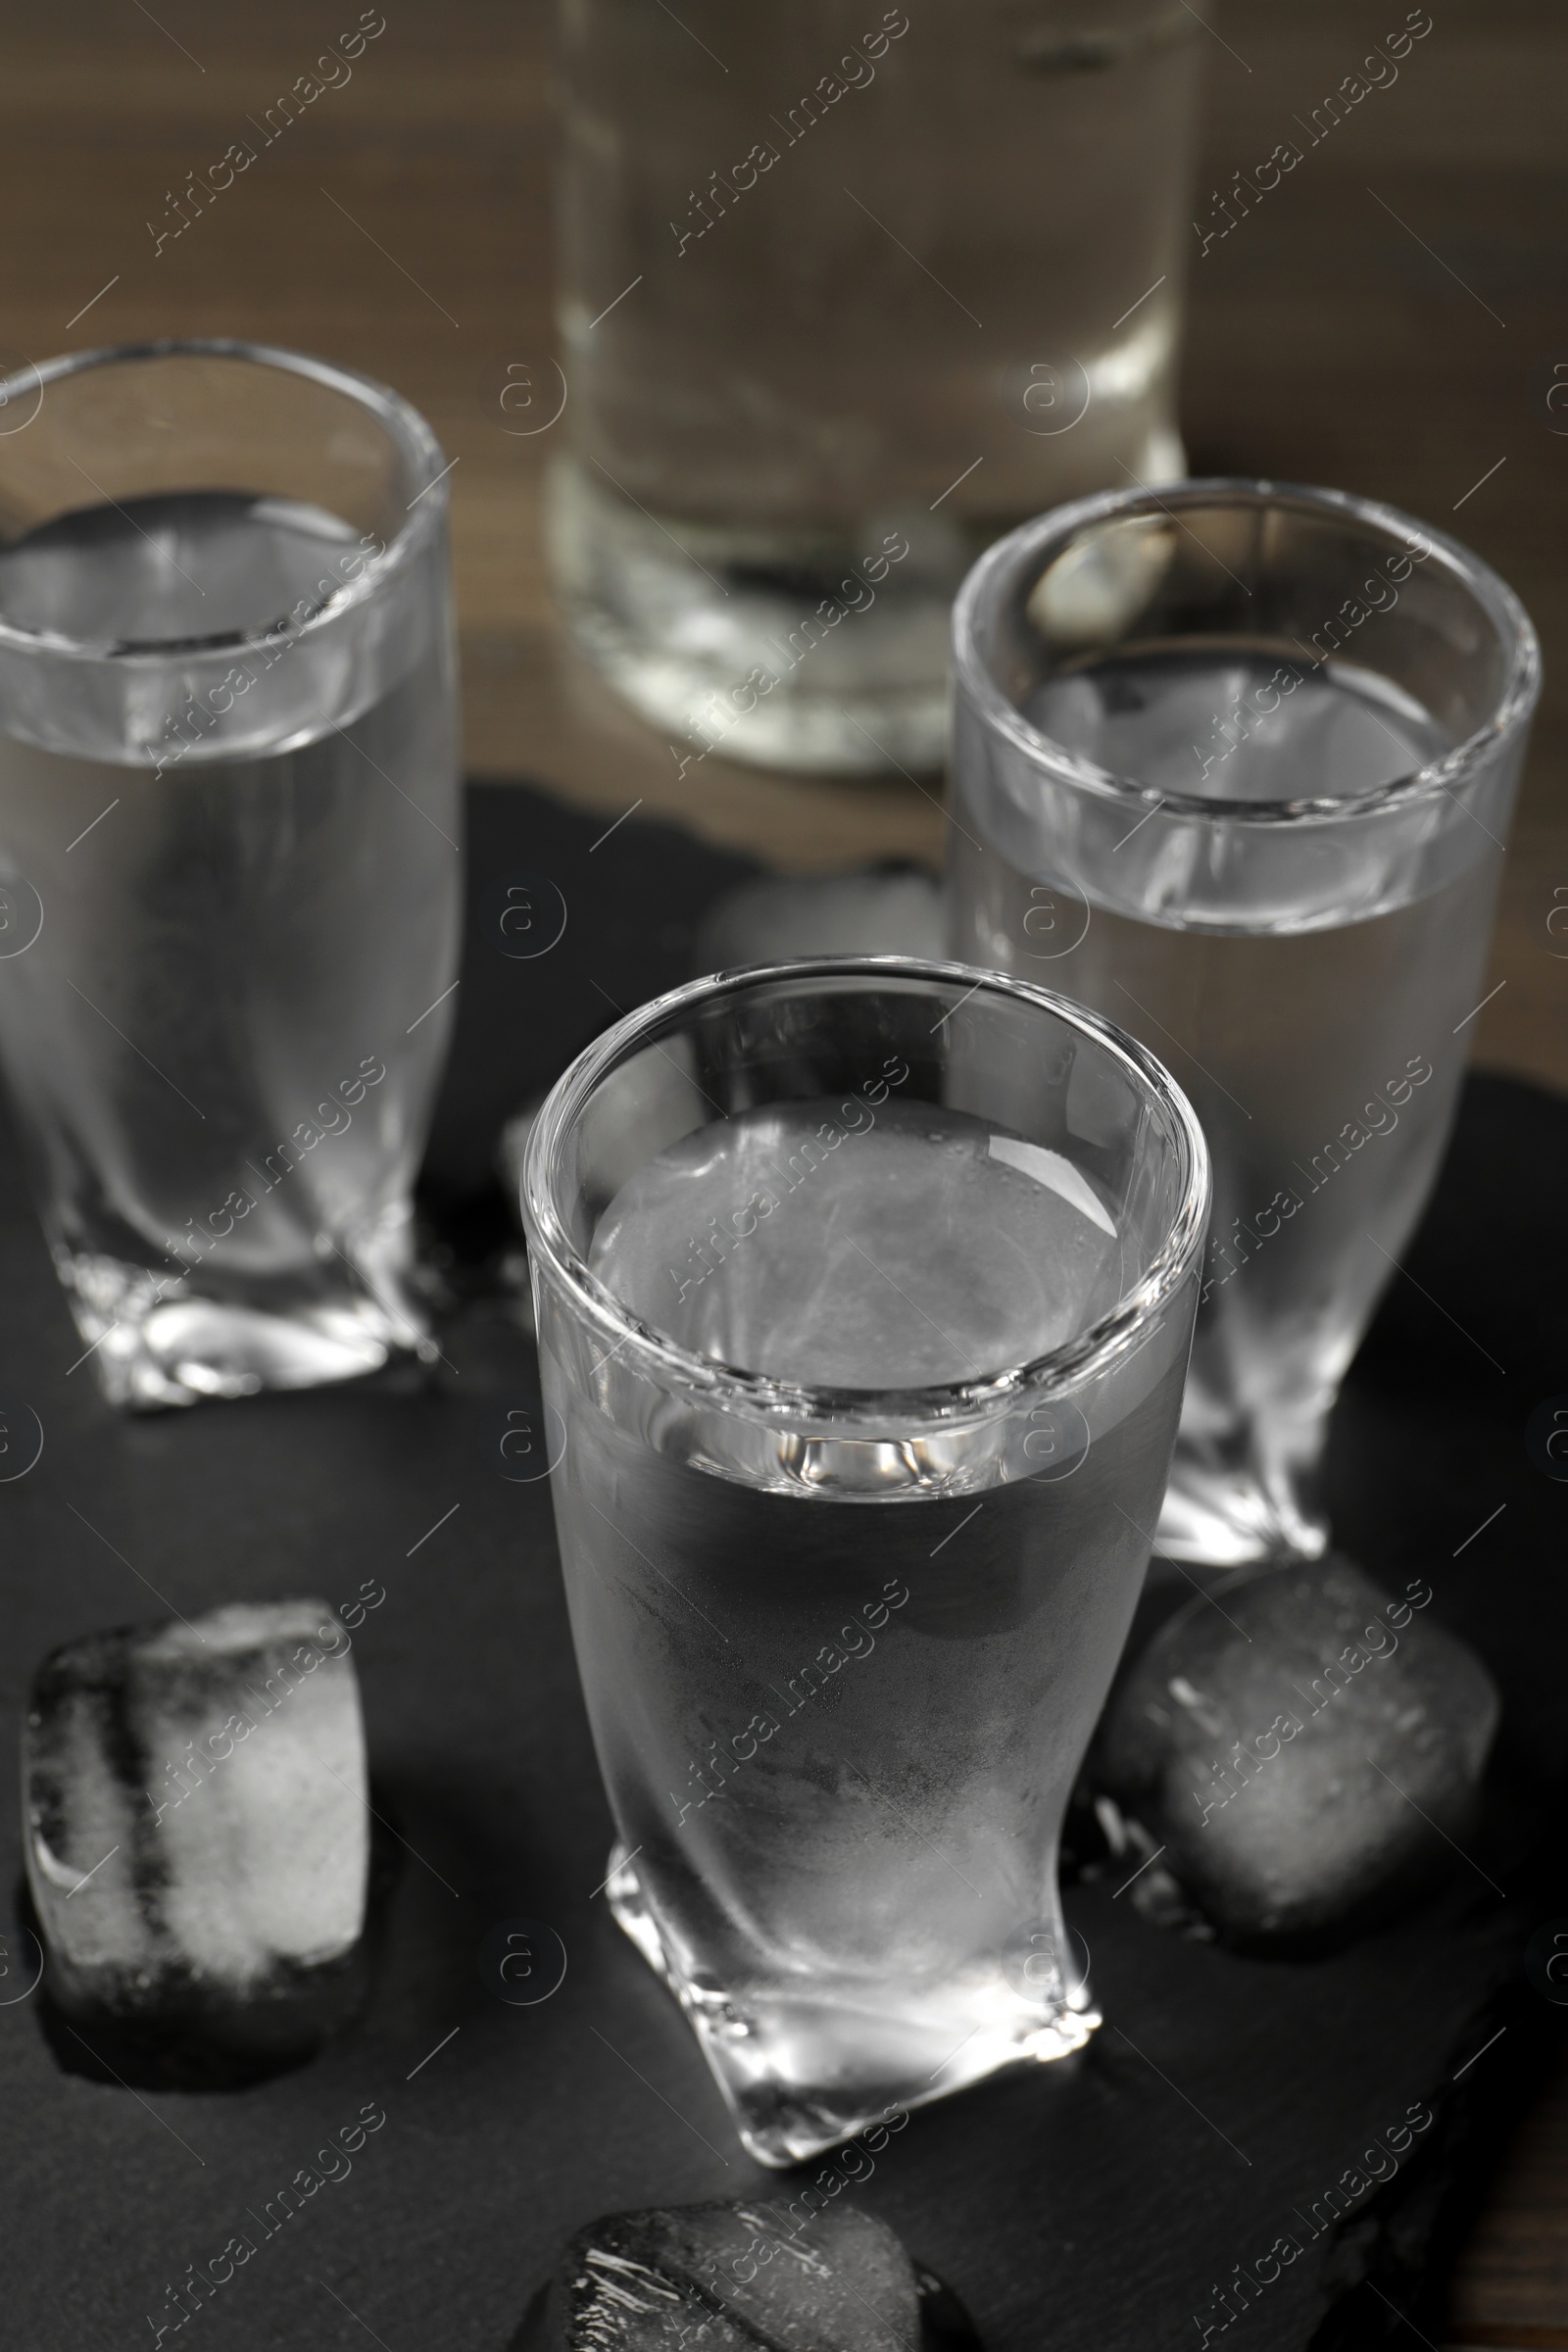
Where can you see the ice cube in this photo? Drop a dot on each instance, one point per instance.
(1302, 1746)
(733, 2277)
(196, 1822)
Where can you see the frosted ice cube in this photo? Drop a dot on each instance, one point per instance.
(735, 2276)
(196, 1826)
(1304, 1751)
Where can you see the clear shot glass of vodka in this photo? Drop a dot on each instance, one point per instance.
(844, 291)
(866, 1291)
(229, 869)
(1235, 766)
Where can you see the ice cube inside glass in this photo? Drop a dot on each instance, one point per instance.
(865, 1289)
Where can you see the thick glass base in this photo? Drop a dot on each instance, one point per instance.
(823, 651)
(151, 1343)
(806, 2063)
(782, 649)
(1231, 1511)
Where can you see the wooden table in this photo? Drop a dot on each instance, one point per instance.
(1399, 343)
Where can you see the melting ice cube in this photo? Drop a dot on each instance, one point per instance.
(196, 1829)
(1306, 1751)
(732, 2278)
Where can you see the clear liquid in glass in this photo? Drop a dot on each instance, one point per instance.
(1323, 1054)
(844, 295)
(215, 1036)
(839, 1691)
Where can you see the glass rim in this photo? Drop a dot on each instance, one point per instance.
(732, 1388)
(1434, 778)
(398, 419)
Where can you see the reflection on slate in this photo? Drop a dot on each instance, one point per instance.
(758, 2276)
(1230, 2102)
(1302, 1750)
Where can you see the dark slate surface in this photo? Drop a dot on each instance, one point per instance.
(1096, 2206)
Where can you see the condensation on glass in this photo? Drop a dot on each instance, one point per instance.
(864, 1296)
(844, 292)
(1235, 766)
(230, 869)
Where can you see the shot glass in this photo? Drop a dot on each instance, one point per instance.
(229, 869)
(864, 1292)
(1235, 766)
(844, 292)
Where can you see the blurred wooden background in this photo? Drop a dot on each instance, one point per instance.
(402, 226)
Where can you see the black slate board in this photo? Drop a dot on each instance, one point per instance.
(1096, 2206)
